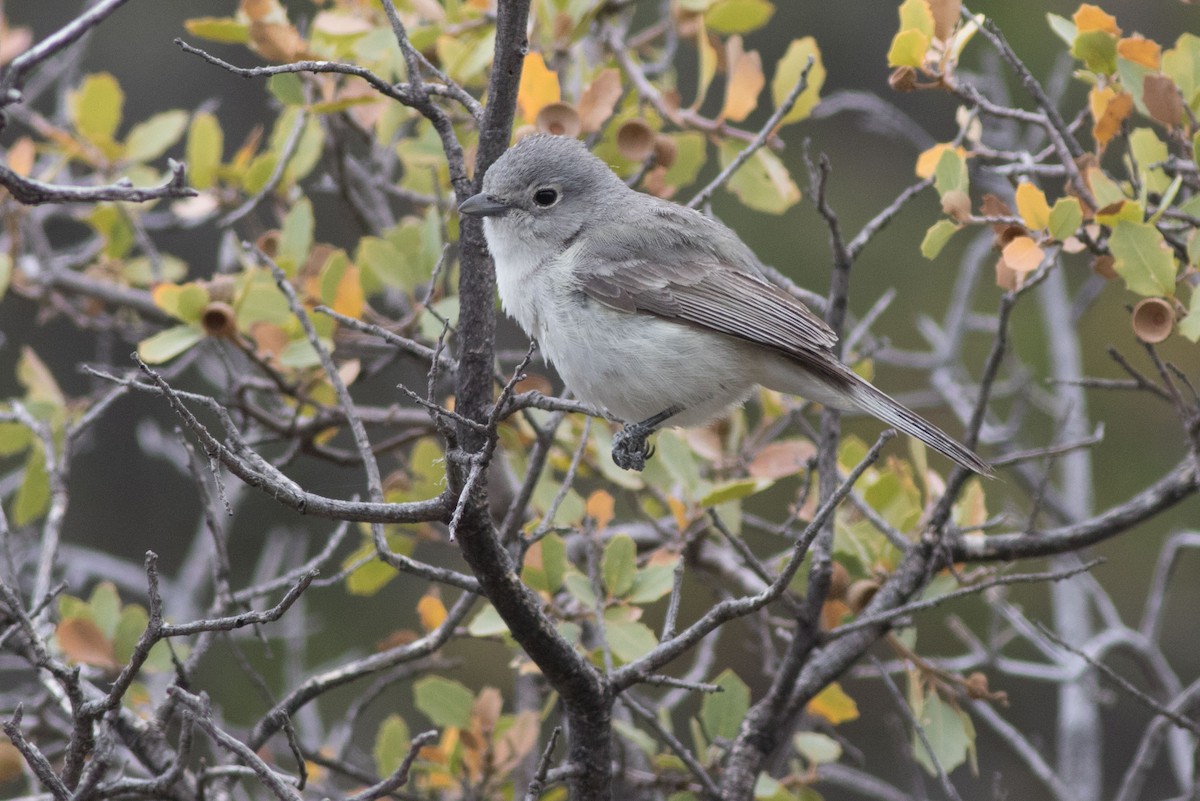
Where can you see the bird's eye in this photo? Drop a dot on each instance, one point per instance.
(546, 197)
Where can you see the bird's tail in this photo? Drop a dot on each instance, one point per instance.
(874, 401)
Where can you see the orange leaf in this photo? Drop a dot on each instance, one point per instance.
(1092, 18)
(946, 14)
(431, 611)
(598, 99)
(744, 81)
(600, 508)
(1109, 110)
(1140, 50)
(834, 705)
(783, 458)
(83, 641)
(1023, 255)
(679, 511)
(538, 88)
(21, 156)
(1032, 206)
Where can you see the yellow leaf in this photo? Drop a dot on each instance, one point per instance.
(349, 299)
(538, 88)
(1091, 18)
(1109, 110)
(1023, 255)
(600, 508)
(834, 705)
(744, 81)
(927, 162)
(679, 512)
(908, 49)
(432, 611)
(1140, 50)
(1032, 206)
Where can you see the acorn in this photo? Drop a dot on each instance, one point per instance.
(635, 139)
(1153, 320)
(560, 119)
(839, 581)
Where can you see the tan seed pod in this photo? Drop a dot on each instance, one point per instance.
(976, 686)
(903, 79)
(1153, 320)
(560, 119)
(219, 320)
(860, 594)
(635, 140)
(221, 287)
(957, 204)
(665, 150)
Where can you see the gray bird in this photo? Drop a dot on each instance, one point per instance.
(653, 311)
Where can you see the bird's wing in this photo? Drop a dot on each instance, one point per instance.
(689, 268)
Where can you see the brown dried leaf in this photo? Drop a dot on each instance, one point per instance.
(957, 205)
(518, 740)
(1007, 278)
(486, 710)
(781, 458)
(945, 17)
(992, 206)
(82, 641)
(744, 81)
(597, 101)
(1162, 99)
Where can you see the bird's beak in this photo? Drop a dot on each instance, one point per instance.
(483, 205)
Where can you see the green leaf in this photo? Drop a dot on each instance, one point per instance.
(735, 490)
(392, 742)
(148, 140)
(105, 603)
(1189, 326)
(1097, 50)
(1142, 260)
(140, 271)
(296, 236)
(445, 702)
(1063, 28)
(205, 147)
(628, 639)
(226, 30)
(936, 238)
(951, 172)
(554, 561)
(5, 272)
(169, 343)
(14, 438)
(679, 461)
(114, 228)
(950, 733)
(787, 73)
(620, 565)
(722, 713)
(1146, 148)
(763, 182)
(651, 583)
(299, 354)
(33, 496)
(738, 16)
(487, 623)
(908, 49)
(1065, 218)
(1182, 65)
(817, 748)
(287, 88)
(580, 588)
(644, 742)
(96, 106)
(260, 300)
(130, 625)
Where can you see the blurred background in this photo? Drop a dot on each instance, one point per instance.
(869, 170)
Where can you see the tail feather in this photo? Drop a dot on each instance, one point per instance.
(874, 401)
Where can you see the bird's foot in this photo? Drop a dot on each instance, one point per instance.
(630, 450)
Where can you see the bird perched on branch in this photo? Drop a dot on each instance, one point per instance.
(652, 311)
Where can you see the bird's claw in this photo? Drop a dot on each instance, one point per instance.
(630, 450)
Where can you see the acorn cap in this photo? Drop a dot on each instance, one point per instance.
(665, 150)
(635, 140)
(219, 320)
(560, 119)
(1153, 320)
